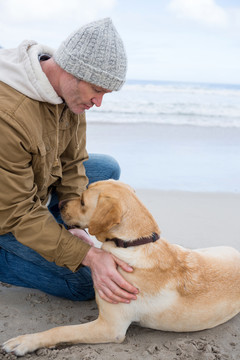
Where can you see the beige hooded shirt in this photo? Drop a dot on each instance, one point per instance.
(42, 145)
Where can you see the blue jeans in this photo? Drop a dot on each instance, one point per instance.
(22, 266)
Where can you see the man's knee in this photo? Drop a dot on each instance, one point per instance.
(114, 168)
(102, 167)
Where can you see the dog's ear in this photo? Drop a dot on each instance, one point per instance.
(107, 214)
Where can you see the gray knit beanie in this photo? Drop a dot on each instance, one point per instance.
(95, 53)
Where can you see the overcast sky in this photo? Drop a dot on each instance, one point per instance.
(176, 40)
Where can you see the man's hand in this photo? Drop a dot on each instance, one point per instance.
(109, 283)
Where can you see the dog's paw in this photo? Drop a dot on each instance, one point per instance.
(21, 345)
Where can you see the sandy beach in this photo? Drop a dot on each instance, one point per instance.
(168, 157)
(187, 218)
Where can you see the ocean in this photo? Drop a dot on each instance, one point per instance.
(171, 136)
(172, 103)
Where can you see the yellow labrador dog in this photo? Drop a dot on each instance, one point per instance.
(179, 289)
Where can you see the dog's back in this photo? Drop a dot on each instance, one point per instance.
(181, 289)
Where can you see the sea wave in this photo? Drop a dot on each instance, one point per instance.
(233, 90)
(168, 109)
(172, 103)
(179, 121)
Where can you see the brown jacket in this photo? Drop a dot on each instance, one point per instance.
(41, 145)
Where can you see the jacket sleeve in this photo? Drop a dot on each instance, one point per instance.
(74, 179)
(21, 211)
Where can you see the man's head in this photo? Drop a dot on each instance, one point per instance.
(95, 53)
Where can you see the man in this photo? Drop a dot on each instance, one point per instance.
(43, 98)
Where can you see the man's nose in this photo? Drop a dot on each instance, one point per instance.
(97, 100)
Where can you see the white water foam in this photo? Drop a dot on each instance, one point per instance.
(208, 105)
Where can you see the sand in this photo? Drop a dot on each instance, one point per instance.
(187, 218)
(166, 157)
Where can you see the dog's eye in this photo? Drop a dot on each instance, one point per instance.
(82, 201)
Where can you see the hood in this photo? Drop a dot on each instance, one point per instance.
(21, 69)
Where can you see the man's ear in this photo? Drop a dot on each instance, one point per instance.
(107, 214)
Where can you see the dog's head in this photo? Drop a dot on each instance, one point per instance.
(109, 209)
(100, 207)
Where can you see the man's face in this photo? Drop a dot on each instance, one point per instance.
(80, 95)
